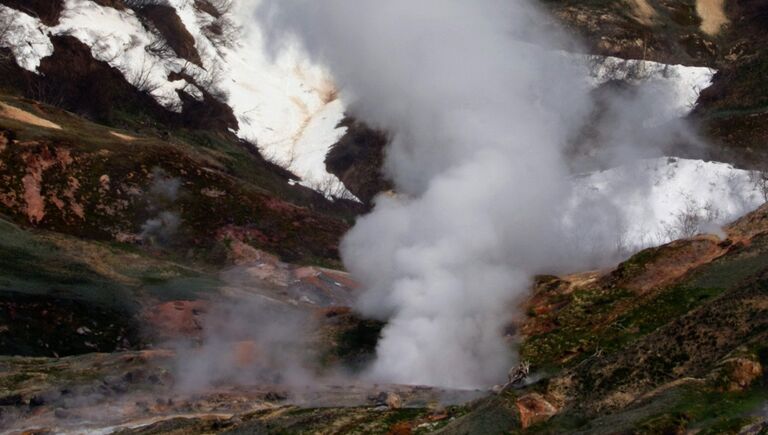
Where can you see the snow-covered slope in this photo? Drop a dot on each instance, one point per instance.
(290, 109)
(120, 39)
(284, 104)
(652, 202)
(25, 36)
(684, 83)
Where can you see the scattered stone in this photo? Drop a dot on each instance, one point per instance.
(212, 193)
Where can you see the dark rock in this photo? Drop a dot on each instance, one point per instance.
(275, 396)
(357, 160)
(169, 25)
(36, 401)
(11, 400)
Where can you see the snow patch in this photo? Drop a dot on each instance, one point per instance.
(652, 202)
(685, 82)
(284, 104)
(26, 37)
(119, 39)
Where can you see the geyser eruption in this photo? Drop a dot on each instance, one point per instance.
(480, 118)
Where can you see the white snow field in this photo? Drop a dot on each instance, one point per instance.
(685, 83)
(652, 202)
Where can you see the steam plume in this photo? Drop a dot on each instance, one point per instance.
(480, 121)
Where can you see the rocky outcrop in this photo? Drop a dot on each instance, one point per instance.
(534, 409)
(168, 24)
(740, 373)
(658, 30)
(357, 159)
(681, 319)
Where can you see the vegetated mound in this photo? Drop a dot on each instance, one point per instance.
(84, 180)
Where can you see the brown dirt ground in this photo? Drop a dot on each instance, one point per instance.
(712, 13)
(17, 114)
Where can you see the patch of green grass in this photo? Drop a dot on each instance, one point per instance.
(684, 409)
(31, 264)
(580, 327)
(730, 270)
(654, 313)
(713, 412)
(576, 331)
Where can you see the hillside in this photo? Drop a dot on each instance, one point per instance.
(177, 194)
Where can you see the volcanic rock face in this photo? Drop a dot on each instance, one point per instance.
(358, 159)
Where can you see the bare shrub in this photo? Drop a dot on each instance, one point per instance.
(222, 6)
(159, 47)
(209, 78)
(222, 32)
(760, 180)
(330, 187)
(271, 155)
(627, 70)
(692, 220)
(142, 78)
(138, 4)
(46, 92)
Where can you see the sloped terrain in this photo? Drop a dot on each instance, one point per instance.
(147, 201)
(673, 339)
(95, 182)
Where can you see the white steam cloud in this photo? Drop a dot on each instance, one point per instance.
(481, 119)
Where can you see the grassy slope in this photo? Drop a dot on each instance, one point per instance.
(248, 192)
